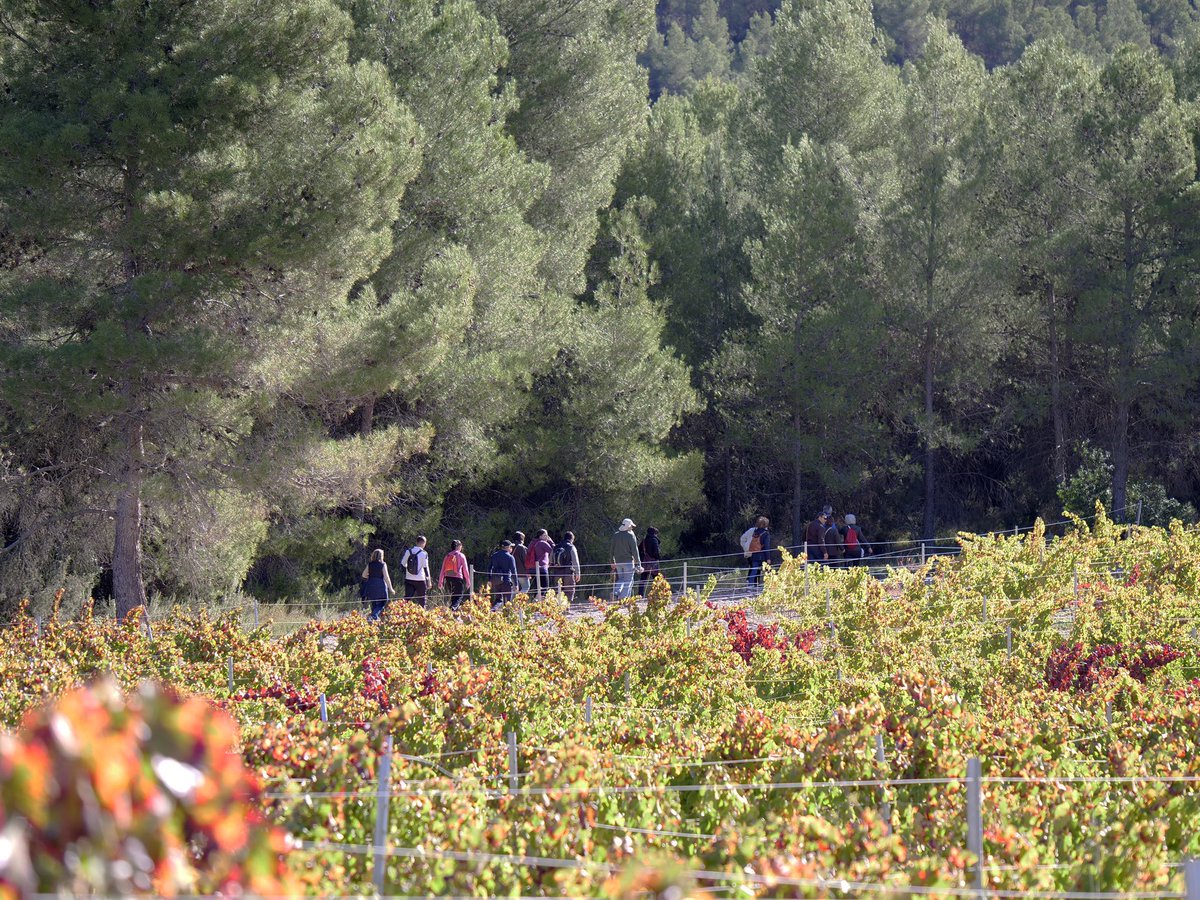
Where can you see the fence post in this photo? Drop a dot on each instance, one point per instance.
(1075, 579)
(149, 627)
(324, 708)
(37, 630)
(471, 575)
(513, 782)
(255, 599)
(231, 675)
(1191, 879)
(806, 568)
(922, 554)
(885, 810)
(1008, 640)
(1139, 513)
(587, 710)
(627, 691)
(985, 609)
(429, 667)
(684, 591)
(1108, 713)
(382, 804)
(975, 817)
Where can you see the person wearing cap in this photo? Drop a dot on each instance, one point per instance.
(626, 562)
(814, 536)
(502, 574)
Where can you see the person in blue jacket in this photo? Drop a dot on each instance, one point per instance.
(502, 574)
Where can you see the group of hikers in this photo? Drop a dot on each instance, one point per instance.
(545, 564)
(513, 568)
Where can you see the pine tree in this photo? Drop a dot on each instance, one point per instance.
(218, 170)
(1138, 137)
(933, 241)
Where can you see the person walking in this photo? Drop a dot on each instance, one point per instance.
(835, 544)
(814, 536)
(377, 585)
(537, 561)
(651, 550)
(760, 551)
(623, 552)
(857, 548)
(455, 575)
(520, 553)
(564, 566)
(417, 580)
(502, 574)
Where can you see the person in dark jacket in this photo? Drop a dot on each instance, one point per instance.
(835, 544)
(761, 544)
(651, 550)
(565, 566)
(814, 536)
(519, 554)
(502, 574)
(377, 585)
(857, 548)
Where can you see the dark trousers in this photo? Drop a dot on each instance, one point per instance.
(458, 591)
(502, 592)
(540, 582)
(415, 591)
(754, 576)
(377, 608)
(649, 573)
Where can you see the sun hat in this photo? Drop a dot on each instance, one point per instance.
(626, 524)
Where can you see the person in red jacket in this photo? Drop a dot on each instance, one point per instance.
(537, 561)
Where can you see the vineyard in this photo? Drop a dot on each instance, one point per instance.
(818, 742)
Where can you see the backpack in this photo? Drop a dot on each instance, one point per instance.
(746, 539)
(851, 538)
(412, 563)
(755, 544)
(562, 556)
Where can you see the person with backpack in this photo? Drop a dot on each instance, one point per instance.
(565, 571)
(651, 550)
(759, 548)
(814, 536)
(417, 581)
(537, 561)
(520, 553)
(456, 575)
(626, 561)
(502, 574)
(835, 546)
(377, 585)
(857, 549)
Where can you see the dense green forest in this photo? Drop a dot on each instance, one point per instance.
(279, 279)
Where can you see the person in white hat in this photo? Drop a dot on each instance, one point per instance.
(856, 547)
(626, 561)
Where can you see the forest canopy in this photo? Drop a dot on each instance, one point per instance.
(284, 280)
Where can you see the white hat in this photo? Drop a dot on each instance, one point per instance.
(626, 524)
(850, 520)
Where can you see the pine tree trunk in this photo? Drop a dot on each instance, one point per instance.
(1125, 376)
(128, 587)
(1056, 407)
(929, 518)
(797, 481)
